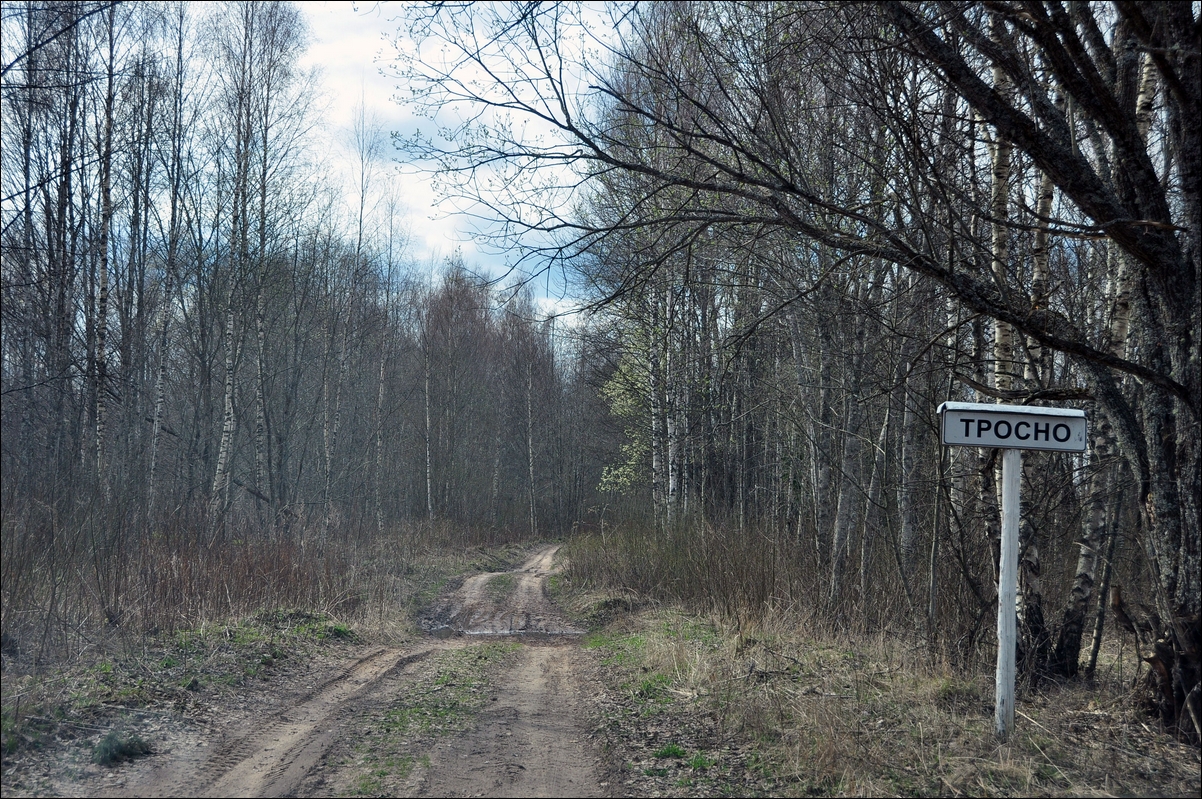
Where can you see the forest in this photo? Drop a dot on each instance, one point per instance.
(791, 230)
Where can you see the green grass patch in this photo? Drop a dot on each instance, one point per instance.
(653, 688)
(117, 746)
(26, 733)
(219, 656)
(373, 782)
(620, 650)
(442, 702)
(954, 693)
(500, 587)
(684, 628)
(671, 750)
(56, 699)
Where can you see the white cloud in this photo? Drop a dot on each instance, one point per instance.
(348, 41)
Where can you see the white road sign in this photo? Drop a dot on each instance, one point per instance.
(1010, 428)
(975, 424)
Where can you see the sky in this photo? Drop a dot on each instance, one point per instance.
(349, 44)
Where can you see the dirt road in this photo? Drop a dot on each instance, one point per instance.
(504, 603)
(323, 736)
(528, 743)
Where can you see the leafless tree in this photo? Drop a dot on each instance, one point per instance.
(853, 131)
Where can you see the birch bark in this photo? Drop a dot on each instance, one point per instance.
(106, 221)
(1101, 488)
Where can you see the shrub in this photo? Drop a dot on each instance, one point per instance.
(117, 746)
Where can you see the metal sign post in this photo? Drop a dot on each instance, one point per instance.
(1011, 428)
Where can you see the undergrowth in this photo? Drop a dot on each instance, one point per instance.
(740, 675)
(78, 682)
(711, 709)
(118, 746)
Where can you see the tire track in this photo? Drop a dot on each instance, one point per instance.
(284, 751)
(274, 757)
(470, 610)
(530, 742)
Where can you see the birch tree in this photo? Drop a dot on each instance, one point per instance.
(735, 135)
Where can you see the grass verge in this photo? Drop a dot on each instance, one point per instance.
(697, 708)
(91, 701)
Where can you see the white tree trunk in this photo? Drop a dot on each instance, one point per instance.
(530, 444)
(220, 495)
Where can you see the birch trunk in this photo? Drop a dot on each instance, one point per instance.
(672, 434)
(25, 339)
(530, 444)
(847, 514)
(849, 505)
(1101, 494)
(1035, 643)
(798, 350)
(106, 218)
(242, 64)
(262, 474)
(1101, 490)
(333, 425)
(495, 485)
(429, 434)
(173, 234)
(872, 504)
(822, 438)
(380, 388)
(906, 506)
(933, 571)
(220, 495)
(159, 398)
(261, 443)
(1099, 622)
(1003, 333)
(985, 484)
(655, 401)
(1038, 366)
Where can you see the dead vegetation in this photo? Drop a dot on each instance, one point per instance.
(69, 678)
(683, 702)
(770, 709)
(785, 705)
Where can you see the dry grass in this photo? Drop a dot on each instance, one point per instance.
(61, 598)
(873, 717)
(192, 617)
(855, 697)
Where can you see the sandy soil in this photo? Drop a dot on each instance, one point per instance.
(498, 698)
(264, 750)
(478, 608)
(298, 737)
(529, 743)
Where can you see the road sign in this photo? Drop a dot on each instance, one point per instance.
(976, 424)
(1011, 428)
